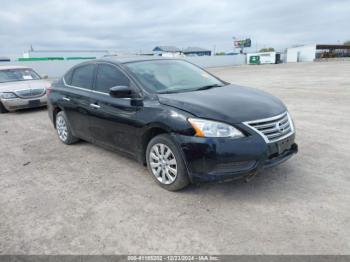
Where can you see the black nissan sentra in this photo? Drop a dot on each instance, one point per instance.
(182, 122)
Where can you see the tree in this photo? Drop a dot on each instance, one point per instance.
(269, 49)
(347, 42)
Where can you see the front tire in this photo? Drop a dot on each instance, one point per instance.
(165, 163)
(64, 131)
(3, 109)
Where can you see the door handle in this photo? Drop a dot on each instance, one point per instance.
(66, 99)
(95, 106)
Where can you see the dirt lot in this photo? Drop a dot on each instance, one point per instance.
(81, 199)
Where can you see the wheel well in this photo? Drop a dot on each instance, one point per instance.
(54, 114)
(2, 108)
(153, 132)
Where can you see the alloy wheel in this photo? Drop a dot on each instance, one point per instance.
(163, 163)
(61, 127)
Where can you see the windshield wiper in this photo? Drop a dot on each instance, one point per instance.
(168, 92)
(208, 87)
(190, 90)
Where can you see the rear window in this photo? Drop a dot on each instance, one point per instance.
(83, 76)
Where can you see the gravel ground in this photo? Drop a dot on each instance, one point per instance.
(81, 199)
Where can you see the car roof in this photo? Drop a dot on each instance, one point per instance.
(134, 58)
(7, 67)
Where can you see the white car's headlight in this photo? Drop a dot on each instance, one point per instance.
(207, 128)
(8, 95)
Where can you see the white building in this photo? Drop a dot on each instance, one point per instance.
(308, 53)
(167, 51)
(65, 53)
(305, 53)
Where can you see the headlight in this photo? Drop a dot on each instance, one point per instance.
(8, 95)
(207, 128)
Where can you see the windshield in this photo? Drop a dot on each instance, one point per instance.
(12, 75)
(172, 76)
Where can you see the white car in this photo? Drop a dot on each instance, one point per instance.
(21, 87)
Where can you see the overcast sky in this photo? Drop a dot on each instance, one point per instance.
(130, 25)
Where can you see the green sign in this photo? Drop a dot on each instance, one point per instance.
(254, 60)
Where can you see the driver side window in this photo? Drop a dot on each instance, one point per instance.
(109, 76)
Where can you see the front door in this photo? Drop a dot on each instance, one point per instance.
(113, 122)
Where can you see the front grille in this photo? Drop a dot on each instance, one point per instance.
(274, 128)
(29, 93)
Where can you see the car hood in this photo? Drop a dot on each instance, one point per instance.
(231, 103)
(18, 85)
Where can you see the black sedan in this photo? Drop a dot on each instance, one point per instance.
(182, 122)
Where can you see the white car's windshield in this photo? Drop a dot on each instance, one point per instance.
(20, 74)
(172, 76)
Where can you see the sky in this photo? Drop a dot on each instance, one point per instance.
(133, 26)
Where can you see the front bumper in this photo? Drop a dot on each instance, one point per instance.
(22, 103)
(221, 159)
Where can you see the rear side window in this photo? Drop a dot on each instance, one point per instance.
(68, 77)
(83, 76)
(109, 76)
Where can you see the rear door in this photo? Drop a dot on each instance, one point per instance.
(113, 122)
(76, 99)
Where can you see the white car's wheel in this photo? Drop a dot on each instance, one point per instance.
(3, 109)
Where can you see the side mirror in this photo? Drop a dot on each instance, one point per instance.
(120, 92)
(44, 76)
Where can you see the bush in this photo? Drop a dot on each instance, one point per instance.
(270, 49)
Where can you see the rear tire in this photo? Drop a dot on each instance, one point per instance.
(165, 163)
(64, 130)
(3, 109)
